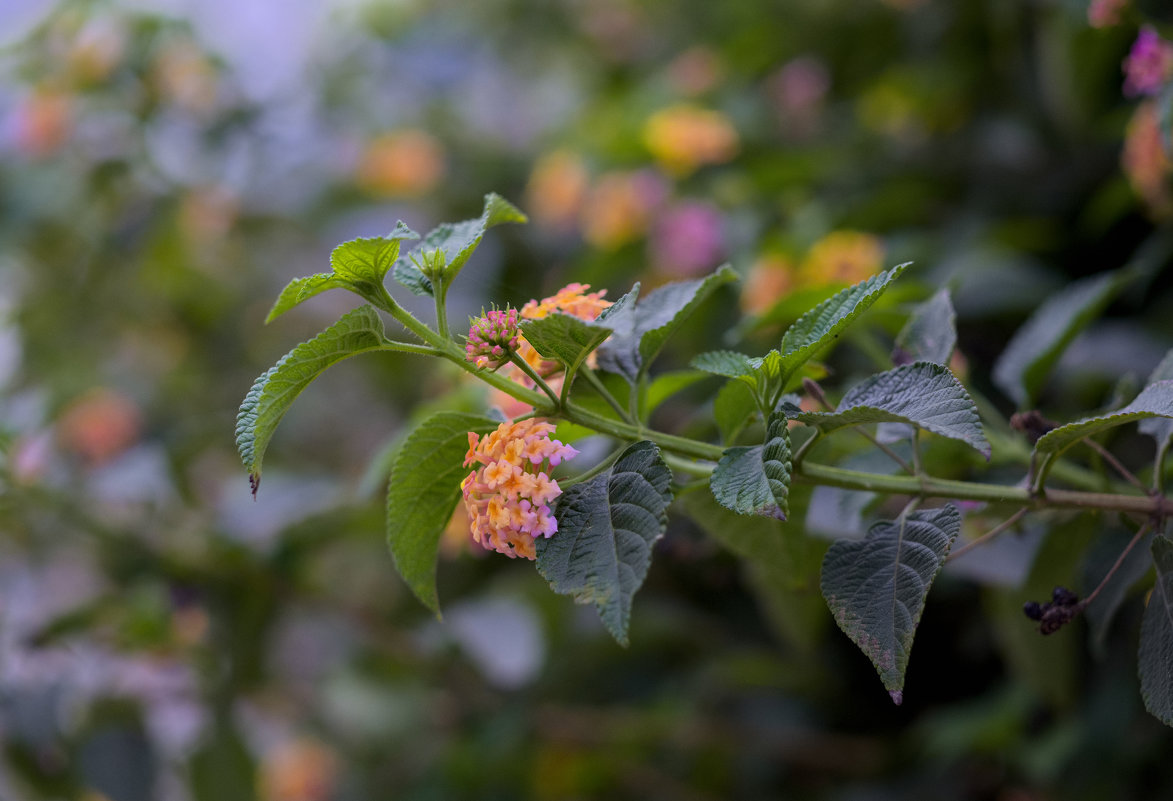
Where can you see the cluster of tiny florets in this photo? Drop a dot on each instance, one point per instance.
(509, 493)
(491, 338)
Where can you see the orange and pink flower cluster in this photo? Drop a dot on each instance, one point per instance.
(491, 338)
(509, 493)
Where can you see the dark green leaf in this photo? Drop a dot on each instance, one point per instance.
(930, 333)
(1160, 428)
(728, 363)
(1101, 557)
(756, 480)
(358, 265)
(641, 329)
(1033, 350)
(1156, 400)
(823, 324)
(423, 491)
(222, 769)
(606, 529)
(1156, 638)
(563, 337)
(922, 394)
(455, 243)
(876, 587)
(274, 391)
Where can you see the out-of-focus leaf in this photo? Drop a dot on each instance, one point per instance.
(453, 244)
(358, 265)
(1033, 350)
(423, 491)
(822, 325)
(930, 333)
(606, 529)
(1156, 400)
(641, 329)
(1101, 557)
(732, 406)
(358, 331)
(921, 394)
(1156, 638)
(755, 480)
(223, 769)
(563, 337)
(876, 587)
(668, 384)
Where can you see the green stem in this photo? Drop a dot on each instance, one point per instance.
(587, 475)
(440, 289)
(692, 468)
(449, 350)
(388, 304)
(409, 347)
(539, 382)
(1159, 468)
(600, 388)
(804, 447)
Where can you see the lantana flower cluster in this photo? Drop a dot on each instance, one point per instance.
(491, 338)
(509, 493)
(1149, 64)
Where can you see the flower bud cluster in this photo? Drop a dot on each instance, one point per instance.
(491, 338)
(509, 493)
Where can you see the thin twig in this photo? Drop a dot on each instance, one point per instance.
(600, 388)
(1140, 535)
(1124, 472)
(989, 535)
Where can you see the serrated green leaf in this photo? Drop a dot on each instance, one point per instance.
(732, 408)
(728, 363)
(921, 394)
(1155, 400)
(930, 335)
(823, 324)
(1155, 660)
(563, 337)
(272, 394)
(455, 242)
(641, 329)
(423, 491)
(755, 480)
(876, 587)
(1035, 347)
(606, 529)
(358, 265)
(1160, 428)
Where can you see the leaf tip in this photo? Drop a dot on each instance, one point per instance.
(897, 696)
(254, 483)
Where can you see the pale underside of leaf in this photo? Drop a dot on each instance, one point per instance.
(606, 529)
(930, 335)
(876, 587)
(1160, 428)
(1155, 400)
(921, 394)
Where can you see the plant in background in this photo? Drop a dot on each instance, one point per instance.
(575, 359)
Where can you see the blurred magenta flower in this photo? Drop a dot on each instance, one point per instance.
(1149, 64)
(798, 91)
(687, 239)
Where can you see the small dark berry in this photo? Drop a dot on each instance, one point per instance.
(1064, 597)
(1032, 610)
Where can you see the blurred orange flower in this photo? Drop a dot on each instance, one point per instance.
(842, 257)
(557, 188)
(685, 137)
(407, 163)
(769, 278)
(1145, 161)
(620, 208)
(43, 122)
(99, 425)
(301, 770)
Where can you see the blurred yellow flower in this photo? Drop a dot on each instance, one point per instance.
(406, 163)
(1145, 161)
(842, 257)
(619, 208)
(769, 278)
(183, 75)
(557, 188)
(684, 137)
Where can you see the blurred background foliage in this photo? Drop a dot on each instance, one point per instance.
(166, 167)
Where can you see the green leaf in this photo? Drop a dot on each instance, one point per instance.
(1156, 638)
(1033, 350)
(876, 587)
(728, 363)
(606, 529)
(1160, 428)
(668, 384)
(930, 335)
(272, 394)
(455, 243)
(358, 265)
(756, 480)
(641, 329)
(823, 324)
(563, 337)
(423, 491)
(922, 394)
(1155, 400)
(732, 408)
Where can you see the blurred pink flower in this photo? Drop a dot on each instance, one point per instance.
(1149, 64)
(798, 91)
(491, 338)
(1145, 161)
(1105, 13)
(687, 239)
